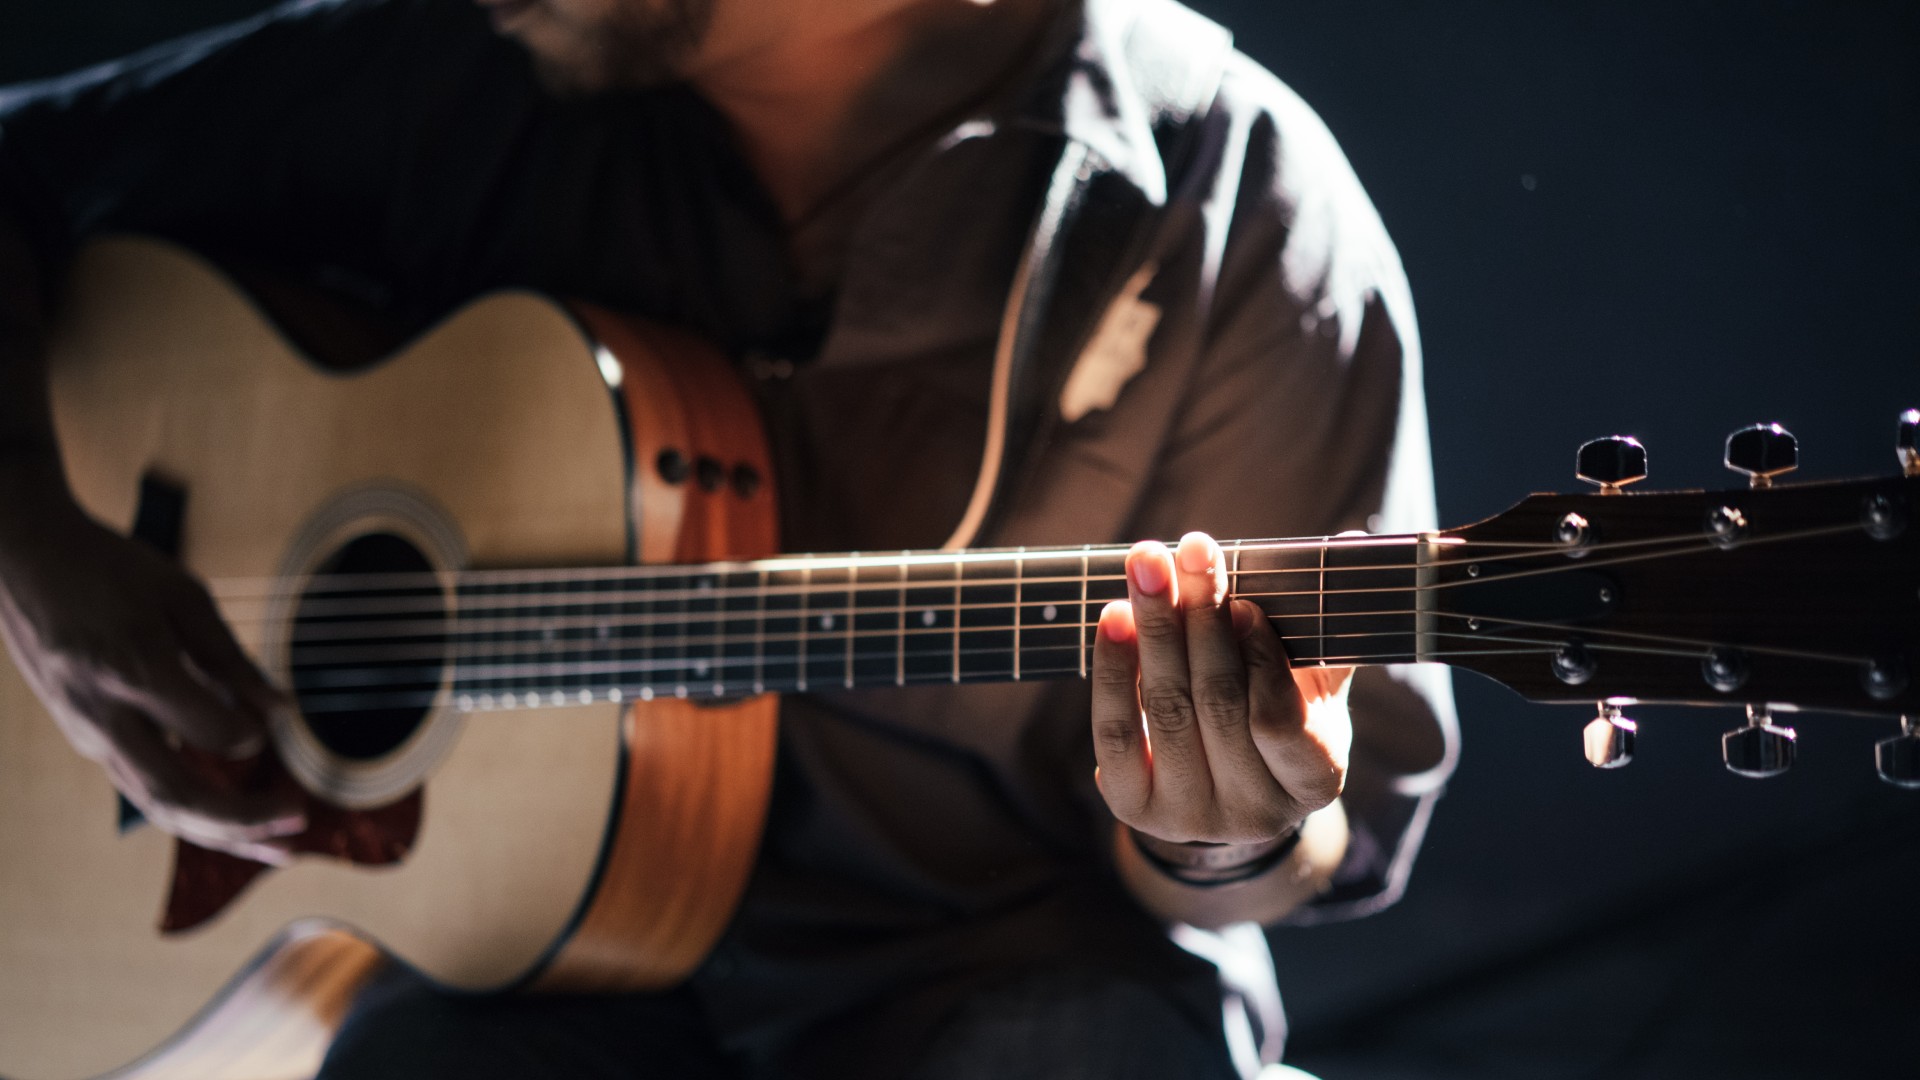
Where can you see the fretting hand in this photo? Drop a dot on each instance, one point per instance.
(1202, 729)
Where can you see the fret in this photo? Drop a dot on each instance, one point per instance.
(874, 629)
(1049, 601)
(847, 624)
(1019, 563)
(784, 653)
(738, 650)
(760, 634)
(704, 632)
(1321, 623)
(1106, 572)
(900, 633)
(986, 621)
(931, 626)
(1284, 581)
(652, 654)
(598, 633)
(1086, 628)
(828, 659)
(1369, 602)
(957, 568)
(804, 631)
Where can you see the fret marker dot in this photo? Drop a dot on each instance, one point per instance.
(928, 618)
(1049, 613)
(700, 667)
(557, 698)
(613, 694)
(680, 691)
(719, 690)
(826, 622)
(486, 701)
(586, 696)
(466, 703)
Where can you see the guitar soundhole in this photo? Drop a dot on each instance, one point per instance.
(368, 646)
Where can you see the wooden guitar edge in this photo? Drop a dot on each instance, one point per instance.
(696, 780)
(275, 1020)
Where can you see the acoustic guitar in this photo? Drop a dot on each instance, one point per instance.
(519, 577)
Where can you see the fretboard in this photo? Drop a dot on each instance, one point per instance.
(797, 624)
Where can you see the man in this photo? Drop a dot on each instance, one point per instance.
(840, 193)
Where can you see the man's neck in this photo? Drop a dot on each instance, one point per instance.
(813, 111)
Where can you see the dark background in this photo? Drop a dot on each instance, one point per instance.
(1666, 219)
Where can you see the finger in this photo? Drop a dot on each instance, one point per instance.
(1309, 759)
(1218, 676)
(181, 801)
(214, 650)
(1123, 770)
(161, 682)
(1179, 760)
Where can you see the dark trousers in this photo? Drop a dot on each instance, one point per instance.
(1059, 1025)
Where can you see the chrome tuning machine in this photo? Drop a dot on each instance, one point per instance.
(1608, 738)
(1759, 749)
(1897, 759)
(1612, 463)
(1761, 452)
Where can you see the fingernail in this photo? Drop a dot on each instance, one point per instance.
(1196, 553)
(1148, 570)
(1243, 616)
(1116, 621)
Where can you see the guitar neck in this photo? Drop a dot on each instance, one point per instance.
(522, 638)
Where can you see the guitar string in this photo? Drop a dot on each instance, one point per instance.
(278, 588)
(564, 651)
(511, 698)
(388, 630)
(489, 665)
(721, 592)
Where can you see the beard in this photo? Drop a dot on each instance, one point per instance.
(630, 44)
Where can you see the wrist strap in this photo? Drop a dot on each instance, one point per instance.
(1203, 865)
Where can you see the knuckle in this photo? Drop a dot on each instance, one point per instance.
(1114, 676)
(1117, 740)
(1156, 622)
(1221, 696)
(1168, 708)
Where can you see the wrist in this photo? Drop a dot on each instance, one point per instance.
(1200, 864)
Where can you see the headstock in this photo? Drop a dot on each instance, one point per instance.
(1772, 598)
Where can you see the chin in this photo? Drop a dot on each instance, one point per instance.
(578, 59)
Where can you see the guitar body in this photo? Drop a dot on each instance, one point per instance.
(599, 846)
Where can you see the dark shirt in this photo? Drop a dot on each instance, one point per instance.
(920, 840)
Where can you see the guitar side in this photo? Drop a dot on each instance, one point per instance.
(589, 847)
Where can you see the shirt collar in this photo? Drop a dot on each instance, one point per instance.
(1085, 90)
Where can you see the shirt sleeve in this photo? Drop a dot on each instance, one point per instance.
(1306, 416)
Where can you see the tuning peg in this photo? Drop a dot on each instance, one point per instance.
(1608, 738)
(1907, 442)
(1898, 759)
(1760, 748)
(1762, 452)
(1612, 462)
